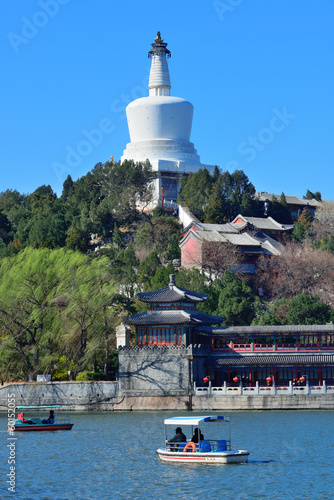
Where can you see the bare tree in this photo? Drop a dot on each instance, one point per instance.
(324, 219)
(299, 269)
(217, 257)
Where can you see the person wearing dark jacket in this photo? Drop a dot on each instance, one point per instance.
(178, 438)
(198, 436)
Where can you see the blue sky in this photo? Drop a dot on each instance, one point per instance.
(259, 74)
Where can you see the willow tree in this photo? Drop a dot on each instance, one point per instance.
(90, 312)
(54, 302)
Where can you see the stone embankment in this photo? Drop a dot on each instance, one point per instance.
(103, 396)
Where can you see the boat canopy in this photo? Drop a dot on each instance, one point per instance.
(36, 407)
(194, 420)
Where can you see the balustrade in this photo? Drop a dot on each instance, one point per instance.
(259, 390)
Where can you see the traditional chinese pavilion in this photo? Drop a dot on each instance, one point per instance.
(172, 318)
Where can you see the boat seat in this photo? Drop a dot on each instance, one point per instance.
(204, 446)
(221, 445)
(182, 445)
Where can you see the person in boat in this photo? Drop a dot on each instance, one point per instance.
(23, 420)
(198, 436)
(178, 438)
(51, 419)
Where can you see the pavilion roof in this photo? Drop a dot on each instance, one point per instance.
(172, 317)
(171, 293)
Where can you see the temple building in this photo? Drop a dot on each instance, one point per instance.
(160, 127)
(172, 318)
(174, 346)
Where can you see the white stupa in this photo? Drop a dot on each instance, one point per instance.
(160, 128)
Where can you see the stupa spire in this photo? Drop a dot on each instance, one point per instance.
(159, 81)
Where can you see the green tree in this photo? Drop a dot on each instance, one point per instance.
(77, 239)
(158, 234)
(123, 185)
(5, 228)
(195, 191)
(117, 237)
(279, 210)
(302, 226)
(55, 303)
(125, 271)
(27, 284)
(215, 210)
(307, 310)
(89, 313)
(67, 188)
(148, 268)
(236, 300)
(310, 196)
(161, 277)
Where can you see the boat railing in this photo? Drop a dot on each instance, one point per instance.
(64, 420)
(207, 445)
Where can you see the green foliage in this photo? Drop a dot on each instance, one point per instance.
(235, 301)
(77, 239)
(63, 367)
(306, 310)
(125, 271)
(267, 318)
(302, 310)
(56, 308)
(117, 237)
(215, 210)
(302, 226)
(148, 268)
(159, 234)
(279, 210)
(5, 228)
(161, 278)
(122, 185)
(327, 243)
(195, 191)
(219, 198)
(310, 196)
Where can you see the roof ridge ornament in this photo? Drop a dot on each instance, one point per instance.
(171, 276)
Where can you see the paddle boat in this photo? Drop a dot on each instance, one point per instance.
(49, 423)
(204, 450)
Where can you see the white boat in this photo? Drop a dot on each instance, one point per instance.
(206, 450)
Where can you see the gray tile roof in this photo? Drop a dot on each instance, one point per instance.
(242, 239)
(264, 223)
(248, 330)
(221, 228)
(270, 244)
(172, 293)
(173, 318)
(291, 200)
(275, 359)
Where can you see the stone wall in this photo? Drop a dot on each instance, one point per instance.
(102, 396)
(160, 370)
(70, 395)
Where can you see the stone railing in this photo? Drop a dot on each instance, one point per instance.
(258, 390)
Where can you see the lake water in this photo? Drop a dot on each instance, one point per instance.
(112, 456)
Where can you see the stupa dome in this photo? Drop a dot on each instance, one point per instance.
(160, 127)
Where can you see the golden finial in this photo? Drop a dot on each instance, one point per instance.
(158, 39)
(112, 160)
